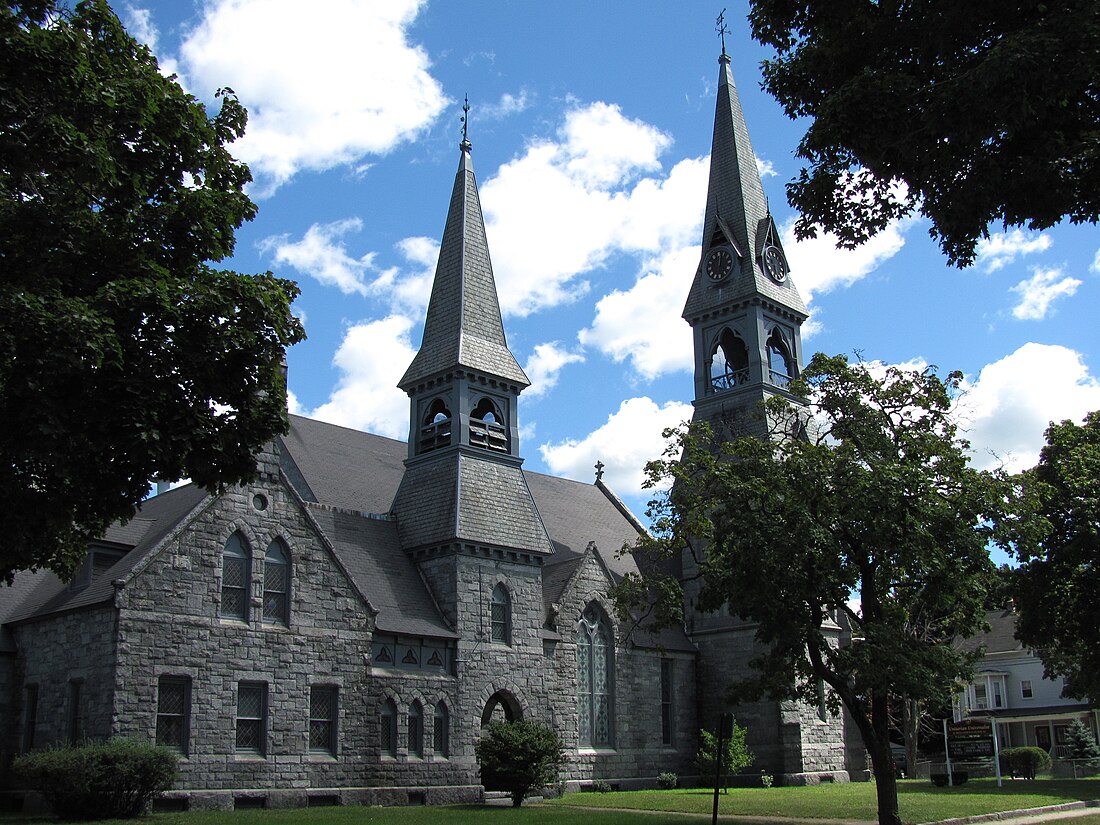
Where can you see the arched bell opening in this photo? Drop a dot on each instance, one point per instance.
(729, 362)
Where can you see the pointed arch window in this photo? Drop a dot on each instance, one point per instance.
(595, 677)
(781, 367)
(729, 363)
(441, 731)
(435, 427)
(236, 575)
(487, 427)
(276, 584)
(500, 616)
(416, 730)
(388, 728)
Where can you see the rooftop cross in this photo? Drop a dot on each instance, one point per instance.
(722, 29)
(599, 470)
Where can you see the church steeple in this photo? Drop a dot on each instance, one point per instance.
(463, 481)
(743, 306)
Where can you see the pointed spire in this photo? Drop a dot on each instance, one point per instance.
(737, 211)
(463, 327)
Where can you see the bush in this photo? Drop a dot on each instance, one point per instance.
(519, 756)
(736, 756)
(602, 786)
(1025, 762)
(667, 780)
(99, 780)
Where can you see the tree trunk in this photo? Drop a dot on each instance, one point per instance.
(910, 731)
(876, 736)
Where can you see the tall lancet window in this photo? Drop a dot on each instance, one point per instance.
(781, 368)
(435, 428)
(729, 364)
(595, 677)
(487, 427)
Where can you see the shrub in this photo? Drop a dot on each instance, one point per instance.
(736, 756)
(116, 779)
(519, 756)
(602, 786)
(667, 780)
(1025, 762)
(766, 780)
(1080, 743)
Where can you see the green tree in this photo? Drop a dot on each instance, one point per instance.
(519, 757)
(124, 356)
(1081, 744)
(1056, 537)
(971, 113)
(735, 757)
(870, 517)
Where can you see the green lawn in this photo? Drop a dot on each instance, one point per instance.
(920, 801)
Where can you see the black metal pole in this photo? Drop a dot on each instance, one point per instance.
(722, 724)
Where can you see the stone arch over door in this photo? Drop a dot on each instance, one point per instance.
(502, 706)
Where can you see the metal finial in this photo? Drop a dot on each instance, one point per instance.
(599, 470)
(722, 29)
(466, 123)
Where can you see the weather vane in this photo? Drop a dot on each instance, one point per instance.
(720, 27)
(465, 121)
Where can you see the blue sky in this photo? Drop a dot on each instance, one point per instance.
(591, 127)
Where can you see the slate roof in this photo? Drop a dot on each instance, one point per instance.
(38, 593)
(735, 200)
(463, 327)
(348, 479)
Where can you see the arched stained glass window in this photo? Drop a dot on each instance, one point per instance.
(276, 584)
(501, 615)
(595, 677)
(388, 728)
(441, 731)
(236, 574)
(416, 730)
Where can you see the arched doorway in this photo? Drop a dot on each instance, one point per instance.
(501, 707)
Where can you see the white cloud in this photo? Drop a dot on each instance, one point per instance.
(322, 88)
(630, 438)
(139, 24)
(322, 254)
(509, 104)
(643, 324)
(545, 365)
(1039, 291)
(818, 265)
(1096, 263)
(1006, 410)
(765, 168)
(586, 207)
(999, 250)
(372, 359)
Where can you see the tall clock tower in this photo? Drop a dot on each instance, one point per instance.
(746, 315)
(743, 307)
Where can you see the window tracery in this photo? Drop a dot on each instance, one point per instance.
(595, 667)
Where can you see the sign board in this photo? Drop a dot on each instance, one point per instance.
(970, 739)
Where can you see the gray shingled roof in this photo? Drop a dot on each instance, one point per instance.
(41, 592)
(1001, 636)
(463, 327)
(736, 195)
(371, 553)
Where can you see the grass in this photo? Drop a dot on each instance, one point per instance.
(919, 801)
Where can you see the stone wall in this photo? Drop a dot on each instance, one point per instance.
(59, 652)
(638, 754)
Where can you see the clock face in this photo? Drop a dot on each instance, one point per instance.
(774, 264)
(719, 264)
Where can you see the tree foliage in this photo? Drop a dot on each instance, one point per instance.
(519, 757)
(124, 356)
(1081, 744)
(1056, 537)
(871, 517)
(736, 754)
(970, 113)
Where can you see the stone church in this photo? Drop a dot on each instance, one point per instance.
(340, 630)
